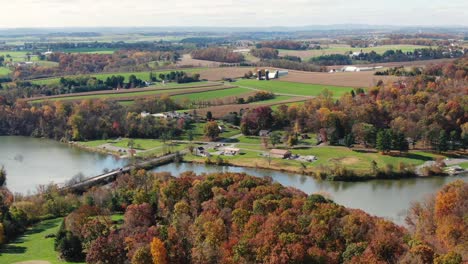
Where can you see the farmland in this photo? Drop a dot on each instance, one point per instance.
(291, 88)
(211, 74)
(103, 76)
(342, 49)
(17, 56)
(348, 79)
(126, 95)
(219, 94)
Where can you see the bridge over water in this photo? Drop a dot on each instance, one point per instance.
(112, 176)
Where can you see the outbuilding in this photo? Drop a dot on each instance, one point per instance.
(280, 153)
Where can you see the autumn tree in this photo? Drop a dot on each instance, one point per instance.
(158, 251)
(212, 130)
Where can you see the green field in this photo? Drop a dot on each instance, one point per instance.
(291, 88)
(328, 157)
(89, 50)
(16, 56)
(212, 94)
(116, 96)
(4, 71)
(104, 76)
(33, 245)
(342, 49)
(464, 165)
(353, 159)
(142, 144)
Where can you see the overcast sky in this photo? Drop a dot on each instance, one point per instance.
(103, 13)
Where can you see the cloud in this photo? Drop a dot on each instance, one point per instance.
(89, 13)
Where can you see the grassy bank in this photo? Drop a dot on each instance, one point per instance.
(33, 245)
(330, 161)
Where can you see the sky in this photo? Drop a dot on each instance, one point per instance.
(230, 13)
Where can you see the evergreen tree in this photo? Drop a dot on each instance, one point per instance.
(443, 142)
(399, 142)
(349, 140)
(384, 141)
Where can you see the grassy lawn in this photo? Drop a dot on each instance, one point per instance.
(212, 94)
(4, 71)
(294, 88)
(357, 160)
(249, 139)
(327, 157)
(252, 147)
(197, 132)
(173, 147)
(33, 245)
(464, 165)
(95, 143)
(141, 144)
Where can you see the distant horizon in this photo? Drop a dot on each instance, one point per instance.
(397, 29)
(226, 13)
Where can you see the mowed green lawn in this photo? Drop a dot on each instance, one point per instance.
(219, 94)
(103, 76)
(353, 159)
(292, 88)
(33, 245)
(4, 71)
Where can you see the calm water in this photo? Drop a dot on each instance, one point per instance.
(384, 198)
(30, 162)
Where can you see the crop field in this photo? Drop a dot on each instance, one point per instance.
(16, 56)
(130, 94)
(89, 50)
(291, 88)
(216, 74)
(342, 49)
(104, 76)
(218, 94)
(222, 110)
(348, 79)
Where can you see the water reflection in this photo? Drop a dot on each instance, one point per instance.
(384, 198)
(30, 162)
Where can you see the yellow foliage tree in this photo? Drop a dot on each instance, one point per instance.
(158, 251)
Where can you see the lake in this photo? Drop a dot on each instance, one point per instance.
(30, 162)
(385, 198)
